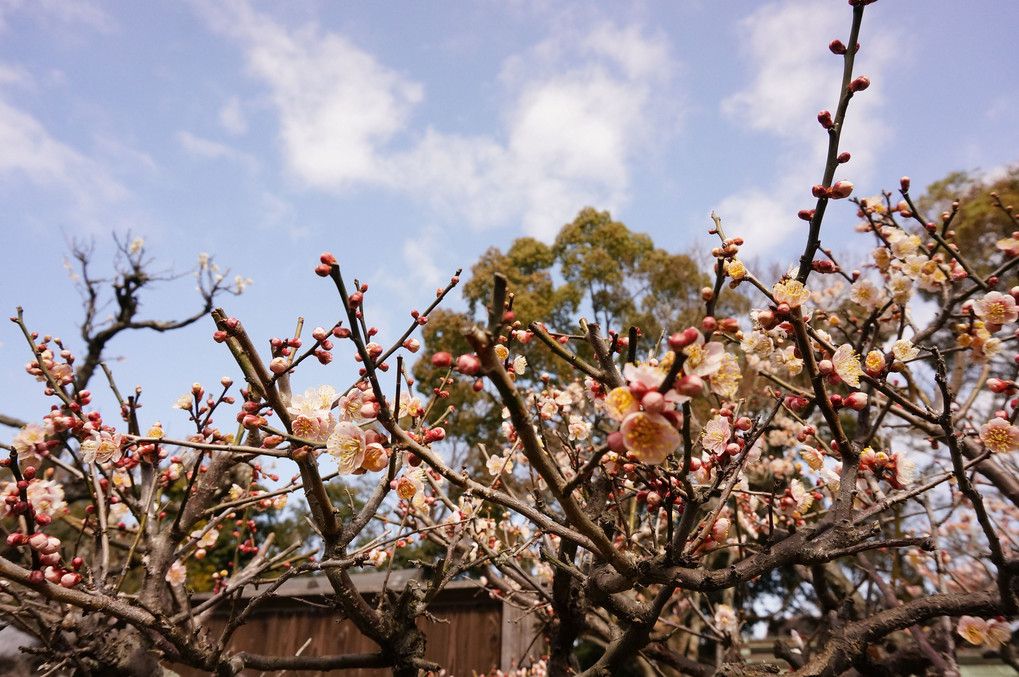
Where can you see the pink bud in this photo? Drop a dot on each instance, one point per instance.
(355, 299)
(412, 344)
(37, 540)
(805, 214)
(859, 84)
(278, 365)
(653, 402)
(841, 189)
(51, 546)
(837, 47)
(691, 385)
(825, 367)
(323, 270)
(720, 529)
(996, 385)
(904, 184)
(819, 191)
(442, 359)
(824, 117)
(468, 364)
(843, 158)
(743, 423)
(327, 259)
(319, 333)
(69, 580)
(615, 442)
(795, 403)
(855, 400)
(681, 340)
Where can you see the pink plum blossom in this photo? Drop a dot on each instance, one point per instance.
(651, 437)
(1000, 436)
(347, 445)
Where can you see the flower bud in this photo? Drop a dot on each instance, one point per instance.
(837, 47)
(855, 400)
(615, 442)
(859, 84)
(653, 402)
(468, 364)
(690, 385)
(69, 580)
(720, 529)
(997, 385)
(795, 403)
(442, 359)
(824, 117)
(682, 339)
(841, 189)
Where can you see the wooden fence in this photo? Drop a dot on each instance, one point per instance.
(472, 633)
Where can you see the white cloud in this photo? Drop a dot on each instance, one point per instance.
(795, 76)
(579, 109)
(278, 214)
(337, 105)
(213, 150)
(420, 253)
(65, 11)
(232, 118)
(29, 151)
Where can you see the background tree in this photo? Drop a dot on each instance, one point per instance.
(596, 266)
(975, 202)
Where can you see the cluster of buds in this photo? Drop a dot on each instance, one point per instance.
(838, 190)
(253, 414)
(45, 548)
(894, 468)
(659, 493)
(61, 371)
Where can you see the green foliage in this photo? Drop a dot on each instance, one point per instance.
(978, 223)
(596, 267)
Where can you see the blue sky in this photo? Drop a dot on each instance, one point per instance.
(409, 137)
